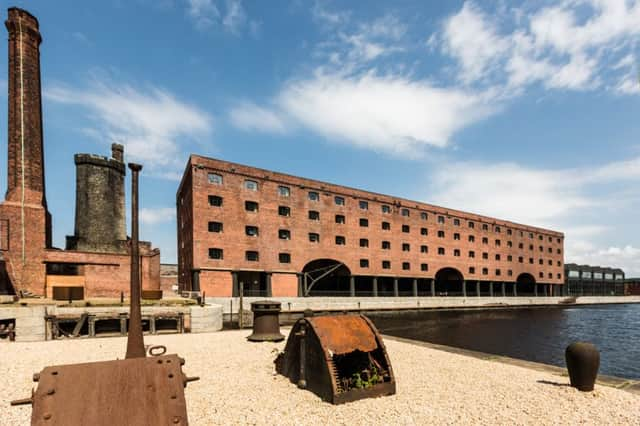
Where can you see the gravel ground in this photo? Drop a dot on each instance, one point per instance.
(238, 386)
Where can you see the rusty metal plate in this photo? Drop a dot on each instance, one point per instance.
(136, 391)
(341, 334)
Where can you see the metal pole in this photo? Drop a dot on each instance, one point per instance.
(478, 288)
(352, 286)
(240, 316)
(415, 287)
(135, 341)
(464, 288)
(395, 287)
(432, 283)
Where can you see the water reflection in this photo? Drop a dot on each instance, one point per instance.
(535, 334)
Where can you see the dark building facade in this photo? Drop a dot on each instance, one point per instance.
(272, 234)
(585, 280)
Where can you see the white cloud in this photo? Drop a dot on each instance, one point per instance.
(155, 216)
(249, 116)
(152, 124)
(235, 17)
(392, 114)
(204, 13)
(627, 258)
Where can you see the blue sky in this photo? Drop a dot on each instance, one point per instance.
(525, 111)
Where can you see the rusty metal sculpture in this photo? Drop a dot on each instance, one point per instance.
(138, 390)
(340, 358)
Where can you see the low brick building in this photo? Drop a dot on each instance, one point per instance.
(272, 234)
(98, 261)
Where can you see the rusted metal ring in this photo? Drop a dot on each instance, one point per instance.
(157, 350)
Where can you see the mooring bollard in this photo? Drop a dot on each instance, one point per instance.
(266, 321)
(583, 362)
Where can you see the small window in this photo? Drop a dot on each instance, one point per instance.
(441, 251)
(423, 215)
(550, 275)
(559, 276)
(340, 218)
(364, 242)
(405, 228)
(424, 231)
(338, 200)
(559, 251)
(498, 272)
(472, 253)
(251, 206)
(509, 232)
(284, 191)
(550, 250)
(406, 266)
(472, 225)
(471, 238)
(485, 227)
(485, 271)
(440, 234)
(509, 258)
(314, 196)
(541, 274)
(497, 229)
(485, 240)
(550, 262)
(284, 211)
(215, 226)
(472, 270)
(530, 246)
(340, 240)
(497, 243)
(364, 222)
(406, 247)
(456, 252)
(215, 178)
(424, 249)
(540, 262)
(363, 205)
(386, 209)
(540, 237)
(284, 234)
(520, 245)
(215, 253)
(215, 201)
(541, 248)
(456, 222)
(509, 244)
(364, 263)
(386, 226)
(251, 256)
(386, 264)
(559, 263)
(520, 259)
(314, 215)
(424, 266)
(530, 234)
(251, 231)
(497, 257)
(531, 260)
(510, 272)
(559, 240)
(440, 219)
(485, 255)
(314, 238)
(405, 212)
(251, 185)
(386, 245)
(456, 236)
(284, 257)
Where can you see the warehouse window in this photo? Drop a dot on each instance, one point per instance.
(485, 240)
(364, 222)
(405, 212)
(424, 231)
(456, 222)
(284, 234)
(284, 191)
(215, 178)
(472, 270)
(284, 257)
(406, 247)
(541, 248)
(251, 206)
(424, 249)
(472, 253)
(485, 271)
(405, 228)
(456, 252)
(520, 245)
(386, 264)
(497, 257)
(485, 227)
(364, 242)
(471, 225)
(509, 258)
(215, 253)
(440, 234)
(215, 226)
(440, 219)
(441, 251)
(541, 274)
(338, 200)
(284, 211)
(251, 256)
(251, 231)
(485, 255)
(520, 259)
(510, 272)
(497, 229)
(364, 263)
(314, 196)
(497, 243)
(340, 240)
(386, 226)
(406, 266)
(424, 266)
(363, 205)
(423, 215)
(340, 218)
(386, 245)
(215, 201)
(456, 236)
(314, 215)
(498, 272)
(509, 232)
(314, 238)
(541, 262)
(531, 260)
(509, 244)
(386, 209)
(471, 238)
(251, 185)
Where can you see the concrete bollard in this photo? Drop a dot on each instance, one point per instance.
(583, 362)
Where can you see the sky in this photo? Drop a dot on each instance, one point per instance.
(526, 111)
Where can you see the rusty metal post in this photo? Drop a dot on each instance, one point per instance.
(135, 341)
(302, 381)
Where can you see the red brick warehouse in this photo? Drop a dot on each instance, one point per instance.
(273, 234)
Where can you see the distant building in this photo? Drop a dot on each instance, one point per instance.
(585, 280)
(273, 234)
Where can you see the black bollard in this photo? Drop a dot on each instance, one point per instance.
(583, 362)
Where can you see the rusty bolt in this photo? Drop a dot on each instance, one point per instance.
(51, 391)
(36, 377)
(47, 416)
(159, 361)
(174, 396)
(171, 375)
(55, 373)
(176, 420)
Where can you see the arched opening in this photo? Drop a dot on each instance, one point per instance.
(5, 282)
(526, 284)
(449, 282)
(325, 277)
